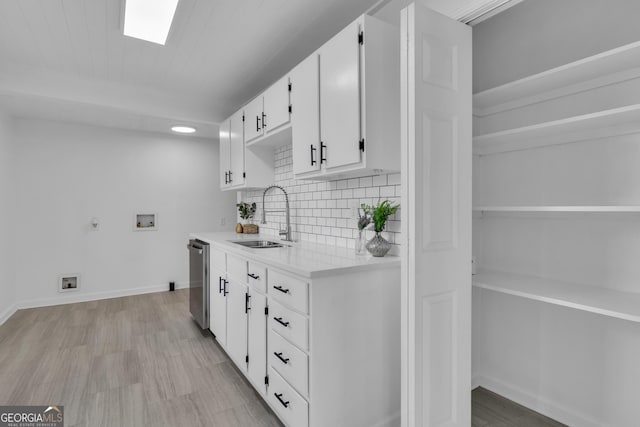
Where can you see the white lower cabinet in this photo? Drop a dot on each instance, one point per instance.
(257, 345)
(290, 362)
(218, 306)
(323, 351)
(292, 408)
(237, 324)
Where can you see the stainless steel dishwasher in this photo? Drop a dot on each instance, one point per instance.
(199, 282)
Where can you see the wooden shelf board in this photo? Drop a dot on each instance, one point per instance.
(587, 209)
(618, 121)
(607, 302)
(608, 67)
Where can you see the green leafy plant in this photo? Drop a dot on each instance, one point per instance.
(246, 210)
(380, 213)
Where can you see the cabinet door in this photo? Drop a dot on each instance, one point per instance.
(218, 307)
(236, 138)
(237, 323)
(340, 97)
(276, 106)
(305, 116)
(253, 119)
(258, 340)
(225, 152)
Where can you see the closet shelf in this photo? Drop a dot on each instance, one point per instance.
(608, 123)
(608, 67)
(607, 302)
(586, 209)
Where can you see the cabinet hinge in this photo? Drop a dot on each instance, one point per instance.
(244, 174)
(266, 380)
(289, 87)
(362, 145)
(266, 311)
(289, 107)
(246, 359)
(361, 37)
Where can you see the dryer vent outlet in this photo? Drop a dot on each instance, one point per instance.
(68, 282)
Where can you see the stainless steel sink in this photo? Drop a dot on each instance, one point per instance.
(258, 244)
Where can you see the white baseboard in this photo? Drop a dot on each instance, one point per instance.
(8, 312)
(535, 402)
(95, 296)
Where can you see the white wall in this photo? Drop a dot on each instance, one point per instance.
(7, 221)
(69, 173)
(537, 35)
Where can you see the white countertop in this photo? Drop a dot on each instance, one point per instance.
(303, 258)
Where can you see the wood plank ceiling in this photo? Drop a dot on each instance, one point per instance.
(69, 57)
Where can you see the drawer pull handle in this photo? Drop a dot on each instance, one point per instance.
(282, 359)
(279, 320)
(279, 397)
(253, 276)
(281, 289)
(220, 279)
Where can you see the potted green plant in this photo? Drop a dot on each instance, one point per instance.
(378, 246)
(247, 212)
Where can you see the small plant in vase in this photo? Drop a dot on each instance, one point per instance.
(378, 246)
(247, 212)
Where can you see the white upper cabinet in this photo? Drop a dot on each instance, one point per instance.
(340, 98)
(267, 114)
(305, 119)
(253, 119)
(225, 153)
(359, 105)
(236, 138)
(241, 168)
(276, 106)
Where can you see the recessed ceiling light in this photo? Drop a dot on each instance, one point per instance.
(149, 20)
(183, 129)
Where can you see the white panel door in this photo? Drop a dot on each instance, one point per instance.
(257, 340)
(253, 119)
(276, 106)
(225, 153)
(340, 98)
(218, 307)
(237, 323)
(305, 115)
(436, 219)
(236, 138)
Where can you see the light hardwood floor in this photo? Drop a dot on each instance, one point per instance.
(132, 361)
(141, 361)
(491, 410)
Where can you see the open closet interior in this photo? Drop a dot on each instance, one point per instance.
(556, 240)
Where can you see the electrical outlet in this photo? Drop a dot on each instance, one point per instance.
(223, 221)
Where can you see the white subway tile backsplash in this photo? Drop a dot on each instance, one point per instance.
(325, 212)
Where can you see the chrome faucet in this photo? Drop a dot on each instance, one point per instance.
(287, 231)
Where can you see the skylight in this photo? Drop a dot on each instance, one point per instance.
(149, 20)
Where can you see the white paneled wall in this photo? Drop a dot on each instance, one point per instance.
(325, 212)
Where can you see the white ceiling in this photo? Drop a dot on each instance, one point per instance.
(69, 56)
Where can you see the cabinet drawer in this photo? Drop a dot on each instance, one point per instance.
(290, 362)
(257, 276)
(289, 290)
(289, 324)
(292, 407)
(237, 268)
(218, 259)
